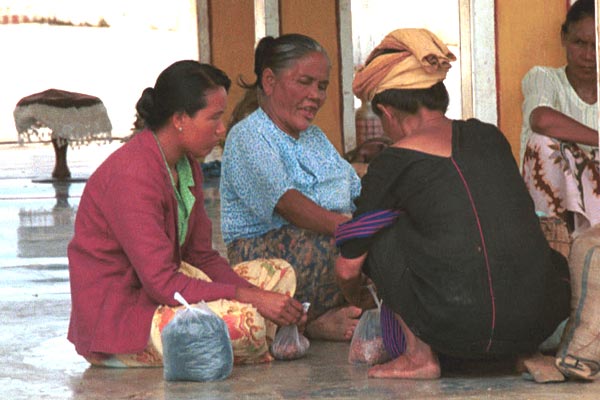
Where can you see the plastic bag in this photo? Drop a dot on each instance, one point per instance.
(196, 345)
(367, 345)
(289, 344)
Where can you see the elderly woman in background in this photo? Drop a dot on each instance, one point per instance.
(444, 225)
(284, 187)
(142, 234)
(559, 139)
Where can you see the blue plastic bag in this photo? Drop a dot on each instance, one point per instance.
(196, 345)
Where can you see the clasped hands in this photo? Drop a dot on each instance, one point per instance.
(353, 283)
(280, 308)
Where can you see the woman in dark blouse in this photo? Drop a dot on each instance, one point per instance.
(464, 267)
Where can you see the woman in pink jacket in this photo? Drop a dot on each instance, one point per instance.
(142, 234)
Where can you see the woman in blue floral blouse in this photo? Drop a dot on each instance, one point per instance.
(284, 187)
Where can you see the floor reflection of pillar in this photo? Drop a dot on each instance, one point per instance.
(44, 232)
(61, 191)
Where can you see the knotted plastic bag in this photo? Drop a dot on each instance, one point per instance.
(289, 343)
(367, 345)
(196, 345)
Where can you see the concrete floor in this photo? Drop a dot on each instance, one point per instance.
(37, 362)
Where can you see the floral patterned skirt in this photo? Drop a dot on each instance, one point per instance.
(311, 254)
(563, 179)
(251, 334)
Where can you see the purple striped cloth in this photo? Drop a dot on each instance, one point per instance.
(394, 340)
(365, 225)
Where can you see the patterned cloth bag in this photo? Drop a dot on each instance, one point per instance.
(557, 234)
(579, 352)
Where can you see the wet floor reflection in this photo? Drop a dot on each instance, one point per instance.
(44, 232)
(46, 222)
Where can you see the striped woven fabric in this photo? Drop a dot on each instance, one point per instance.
(394, 339)
(365, 225)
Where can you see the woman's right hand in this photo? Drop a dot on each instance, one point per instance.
(352, 282)
(279, 308)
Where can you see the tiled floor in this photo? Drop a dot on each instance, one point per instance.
(37, 362)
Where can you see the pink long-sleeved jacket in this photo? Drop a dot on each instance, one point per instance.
(124, 256)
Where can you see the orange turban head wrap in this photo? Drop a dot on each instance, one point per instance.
(405, 59)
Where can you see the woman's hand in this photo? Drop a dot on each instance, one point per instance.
(279, 308)
(352, 282)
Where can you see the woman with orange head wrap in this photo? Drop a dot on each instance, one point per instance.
(444, 225)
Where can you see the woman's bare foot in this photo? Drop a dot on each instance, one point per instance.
(336, 325)
(418, 362)
(406, 367)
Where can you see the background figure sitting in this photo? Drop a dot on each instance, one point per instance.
(559, 139)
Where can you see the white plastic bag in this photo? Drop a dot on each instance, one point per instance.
(289, 343)
(367, 345)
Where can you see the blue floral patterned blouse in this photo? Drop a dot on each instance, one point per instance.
(261, 162)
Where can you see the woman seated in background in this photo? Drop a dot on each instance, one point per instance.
(559, 139)
(284, 187)
(142, 234)
(444, 225)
